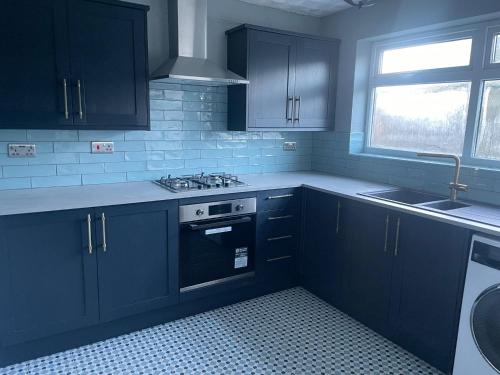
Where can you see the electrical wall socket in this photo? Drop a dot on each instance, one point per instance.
(103, 147)
(22, 150)
(289, 146)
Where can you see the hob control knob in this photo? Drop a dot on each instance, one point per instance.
(200, 212)
(239, 207)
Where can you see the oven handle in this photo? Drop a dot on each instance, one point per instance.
(241, 220)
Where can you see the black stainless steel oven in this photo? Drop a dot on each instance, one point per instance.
(217, 242)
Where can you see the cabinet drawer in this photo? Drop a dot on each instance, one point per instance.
(281, 199)
(275, 247)
(278, 223)
(278, 272)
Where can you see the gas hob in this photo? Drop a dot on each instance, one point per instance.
(199, 182)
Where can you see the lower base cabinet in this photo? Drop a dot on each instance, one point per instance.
(368, 265)
(323, 251)
(65, 270)
(137, 268)
(401, 275)
(48, 275)
(427, 286)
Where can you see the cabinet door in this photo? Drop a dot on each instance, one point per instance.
(138, 266)
(322, 257)
(35, 63)
(427, 286)
(369, 268)
(48, 275)
(272, 76)
(109, 60)
(315, 76)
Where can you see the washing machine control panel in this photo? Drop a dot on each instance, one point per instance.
(486, 253)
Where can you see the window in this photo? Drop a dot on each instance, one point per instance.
(421, 117)
(432, 93)
(496, 49)
(488, 139)
(426, 56)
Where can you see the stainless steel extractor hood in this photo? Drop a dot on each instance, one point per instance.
(188, 48)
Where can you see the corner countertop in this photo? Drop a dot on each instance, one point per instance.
(478, 217)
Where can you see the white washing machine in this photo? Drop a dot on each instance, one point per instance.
(478, 345)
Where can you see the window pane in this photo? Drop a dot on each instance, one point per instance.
(427, 56)
(488, 138)
(429, 117)
(496, 49)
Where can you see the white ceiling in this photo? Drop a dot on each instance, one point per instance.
(316, 8)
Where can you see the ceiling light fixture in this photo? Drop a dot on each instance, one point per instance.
(361, 3)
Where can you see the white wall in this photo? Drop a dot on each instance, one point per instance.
(222, 15)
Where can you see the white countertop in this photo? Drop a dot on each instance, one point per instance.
(478, 217)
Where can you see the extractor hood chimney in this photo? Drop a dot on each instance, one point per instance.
(187, 26)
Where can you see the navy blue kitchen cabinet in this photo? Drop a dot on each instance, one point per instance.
(427, 284)
(35, 65)
(368, 269)
(278, 238)
(66, 270)
(315, 77)
(48, 274)
(292, 80)
(137, 258)
(270, 69)
(401, 275)
(78, 64)
(323, 253)
(109, 67)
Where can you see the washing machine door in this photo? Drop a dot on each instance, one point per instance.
(485, 325)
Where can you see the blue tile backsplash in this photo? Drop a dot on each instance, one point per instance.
(189, 135)
(342, 154)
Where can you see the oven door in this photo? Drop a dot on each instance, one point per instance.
(216, 251)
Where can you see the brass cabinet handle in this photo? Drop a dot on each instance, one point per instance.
(279, 258)
(103, 221)
(396, 247)
(297, 108)
(289, 108)
(386, 232)
(89, 229)
(279, 238)
(270, 218)
(280, 196)
(338, 217)
(80, 108)
(65, 90)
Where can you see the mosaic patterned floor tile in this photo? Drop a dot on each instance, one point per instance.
(290, 332)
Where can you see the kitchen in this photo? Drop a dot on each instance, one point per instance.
(254, 186)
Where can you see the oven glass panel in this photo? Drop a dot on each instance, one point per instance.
(216, 249)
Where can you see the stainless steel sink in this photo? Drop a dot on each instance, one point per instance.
(406, 196)
(447, 205)
(420, 199)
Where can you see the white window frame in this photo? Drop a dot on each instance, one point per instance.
(481, 69)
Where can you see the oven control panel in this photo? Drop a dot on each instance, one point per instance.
(212, 210)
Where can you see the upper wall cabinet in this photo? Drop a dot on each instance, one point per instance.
(292, 80)
(73, 64)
